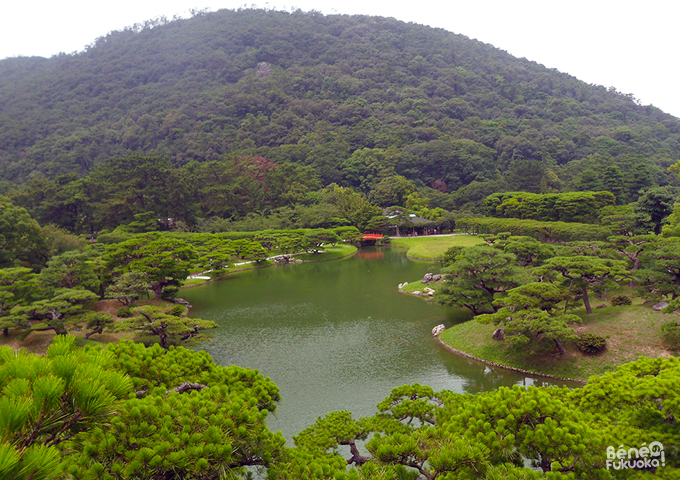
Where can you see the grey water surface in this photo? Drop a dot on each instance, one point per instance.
(338, 335)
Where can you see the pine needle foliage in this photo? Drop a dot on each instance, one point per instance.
(48, 400)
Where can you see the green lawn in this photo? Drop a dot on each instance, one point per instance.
(429, 248)
(631, 332)
(418, 285)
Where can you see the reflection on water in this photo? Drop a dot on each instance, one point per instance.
(371, 254)
(337, 335)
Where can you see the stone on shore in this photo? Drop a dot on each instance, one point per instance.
(438, 329)
(429, 277)
(181, 301)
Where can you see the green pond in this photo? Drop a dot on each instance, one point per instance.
(337, 335)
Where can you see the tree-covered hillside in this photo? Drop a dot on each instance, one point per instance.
(436, 107)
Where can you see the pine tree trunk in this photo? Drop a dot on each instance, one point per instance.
(60, 330)
(586, 301)
(97, 330)
(158, 289)
(163, 337)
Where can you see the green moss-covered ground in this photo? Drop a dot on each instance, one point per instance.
(631, 332)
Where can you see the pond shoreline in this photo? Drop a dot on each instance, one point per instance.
(328, 331)
(183, 287)
(506, 367)
(411, 256)
(328, 259)
(489, 362)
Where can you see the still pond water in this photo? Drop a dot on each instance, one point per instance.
(337, 335)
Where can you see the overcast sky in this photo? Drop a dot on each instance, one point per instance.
(633, 46)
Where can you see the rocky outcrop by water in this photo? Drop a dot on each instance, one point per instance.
(429, 277)
(438, 329)
(426, 291)
(181, 301)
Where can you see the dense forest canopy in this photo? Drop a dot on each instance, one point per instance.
(355, 98)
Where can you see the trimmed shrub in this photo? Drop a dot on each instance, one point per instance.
(124, 312)
(176, 310)
(169, 292)
(542, 231)
(618, 300)
(549, 207)
(591, 343)
(670, 332)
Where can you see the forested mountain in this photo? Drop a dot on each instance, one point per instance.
(356, 98)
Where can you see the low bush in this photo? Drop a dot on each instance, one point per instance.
(670, 332)
(177, 310)
(124, 312)
(618, 300)
(169, 292)
(591, 343)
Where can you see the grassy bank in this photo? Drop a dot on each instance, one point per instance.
(419, 286)
(37, 342)
(429, 248)
(238, 267)
(330, 253)
(631, 332)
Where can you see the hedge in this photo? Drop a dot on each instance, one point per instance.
(543, 231)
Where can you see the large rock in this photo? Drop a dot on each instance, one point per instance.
(499, 334)
(181, 301)
(436, 277)
(427, 278)
(659, 306)
(438, 329)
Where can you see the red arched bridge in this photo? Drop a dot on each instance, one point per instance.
(373, 236)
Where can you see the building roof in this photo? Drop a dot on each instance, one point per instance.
(415, 219)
